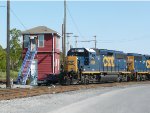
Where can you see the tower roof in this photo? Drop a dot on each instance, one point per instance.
(40, 30)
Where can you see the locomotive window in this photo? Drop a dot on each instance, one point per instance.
(78, 52)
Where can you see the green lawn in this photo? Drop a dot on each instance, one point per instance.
(13, 74)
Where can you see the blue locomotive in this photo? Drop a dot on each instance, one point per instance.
(101, 65)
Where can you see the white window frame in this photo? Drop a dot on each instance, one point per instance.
(57, 42)
(39, 40)
(26, 36)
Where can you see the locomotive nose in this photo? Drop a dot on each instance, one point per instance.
(72, 63)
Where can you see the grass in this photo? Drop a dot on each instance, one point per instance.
(13, 75)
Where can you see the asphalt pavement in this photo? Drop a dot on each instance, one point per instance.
(128, 100)
(117, 99)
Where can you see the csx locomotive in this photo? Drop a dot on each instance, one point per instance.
(101, 65)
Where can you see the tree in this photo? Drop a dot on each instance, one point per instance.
(15, 49)
(2, 59)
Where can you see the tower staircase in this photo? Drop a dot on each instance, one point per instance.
(26, 66)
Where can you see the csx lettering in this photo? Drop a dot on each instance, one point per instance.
(108, 61)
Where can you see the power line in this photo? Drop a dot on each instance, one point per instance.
(119, 41)
(2, 6)
(76, 26)
(18, 19)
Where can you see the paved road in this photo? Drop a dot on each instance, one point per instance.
(118, 99)
(128, 100)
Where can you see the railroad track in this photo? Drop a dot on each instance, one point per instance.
(7, 94)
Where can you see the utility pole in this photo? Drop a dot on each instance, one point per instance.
(8, 47)
(76, 42)
(64, 36)
(68, 47)
(63, 41)
(95, 41)
(64, 28)
(68, 42)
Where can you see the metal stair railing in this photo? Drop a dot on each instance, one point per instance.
(24, 63)
(26, 75)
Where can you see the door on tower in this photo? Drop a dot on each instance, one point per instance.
(33, 43)
(34, 72)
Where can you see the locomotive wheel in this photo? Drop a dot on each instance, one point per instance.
(68, 82)
(75, 81)
(138, 78)
(144, 77)
(86, 81)
(128, 78)
(119, 78)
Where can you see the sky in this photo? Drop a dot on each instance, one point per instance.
(120, 25)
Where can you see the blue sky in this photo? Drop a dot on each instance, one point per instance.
(118, 25)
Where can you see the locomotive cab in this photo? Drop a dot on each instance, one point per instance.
(77, 58)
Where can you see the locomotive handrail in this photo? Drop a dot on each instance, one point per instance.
(29, 67)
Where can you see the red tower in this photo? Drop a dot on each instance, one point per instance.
(47, 58)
